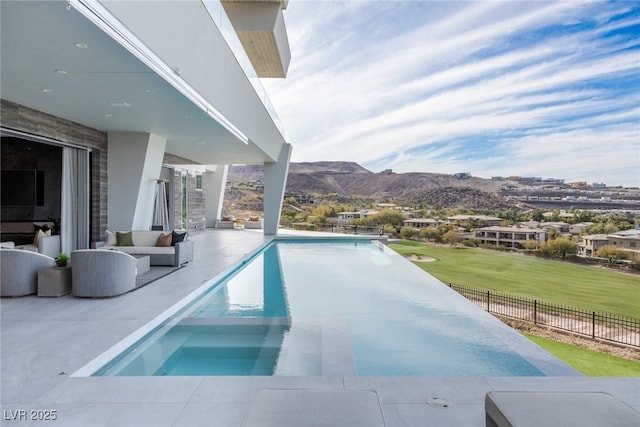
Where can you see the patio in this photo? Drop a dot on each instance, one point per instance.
(44, 340)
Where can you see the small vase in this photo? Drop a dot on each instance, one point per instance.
(61, 263)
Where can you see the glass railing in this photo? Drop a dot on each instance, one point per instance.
(220, 18)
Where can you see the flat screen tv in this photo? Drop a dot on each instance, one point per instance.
(22, 187)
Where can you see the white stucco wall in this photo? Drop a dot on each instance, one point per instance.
(215, 179)
(134, 164)
(203, 59)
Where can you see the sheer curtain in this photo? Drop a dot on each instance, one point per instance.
(74, 211)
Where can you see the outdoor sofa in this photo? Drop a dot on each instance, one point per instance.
(147, 242)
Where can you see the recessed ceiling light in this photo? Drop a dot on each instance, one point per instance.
(61, 71)
(82, 45)
(47, 90)
(149, 90)
(108, 115)
(187, 116)
(119, 104)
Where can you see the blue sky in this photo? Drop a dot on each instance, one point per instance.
(531, 88)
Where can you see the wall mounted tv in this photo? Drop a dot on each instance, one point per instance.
(22, 187)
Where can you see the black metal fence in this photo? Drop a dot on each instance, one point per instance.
(334, 228)
(605, 326)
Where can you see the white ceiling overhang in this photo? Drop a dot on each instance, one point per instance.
(57, 61)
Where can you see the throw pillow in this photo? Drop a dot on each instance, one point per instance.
(124, 239)
(178, 237)
(164, 240)
(110, 238)
(40, 234)
(37, 237)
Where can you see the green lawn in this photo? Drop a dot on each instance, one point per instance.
(589, 362)
(557, 282)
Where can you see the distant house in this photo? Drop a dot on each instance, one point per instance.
(627, 240)
(561, 227)
(350, 216)
(591, 243)
(420, 223)
(302, 199)
(462, 175)
(579, 227)
(489, 220)
(511, 237)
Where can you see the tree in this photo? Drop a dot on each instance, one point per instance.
(452, 237)
(431, 234)
(537, 215)
(387, 216)
(611, 252)
(560, 247)
(531, 245)
(323, 212)
(408, 233)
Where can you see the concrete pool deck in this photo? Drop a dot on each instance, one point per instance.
(44, 340)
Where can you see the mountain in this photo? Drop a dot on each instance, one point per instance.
(348, 179)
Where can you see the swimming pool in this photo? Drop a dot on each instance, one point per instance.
(332, 308)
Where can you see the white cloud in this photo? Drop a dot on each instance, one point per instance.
(440, 86)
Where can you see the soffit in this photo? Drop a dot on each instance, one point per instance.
(102, 86)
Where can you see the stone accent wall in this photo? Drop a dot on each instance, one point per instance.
(195, 198)
(196, 204)
(177, 199)
(18, 117)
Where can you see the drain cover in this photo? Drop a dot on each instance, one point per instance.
(439, 402)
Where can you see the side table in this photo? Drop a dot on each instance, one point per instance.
(54, 281)
(142, 264)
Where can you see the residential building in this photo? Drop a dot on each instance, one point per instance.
(626, 240)
(420, 223)
(488, 220)
(511, 237)
(112, 101)
(560, 227)
(350, 216)
(591, 243)
(462, 175)
(579, 227)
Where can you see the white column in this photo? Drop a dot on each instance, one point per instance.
(134, 165)
(275, 181)
(215, 181)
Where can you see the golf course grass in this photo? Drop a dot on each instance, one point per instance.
(589, 362)
(586, 287)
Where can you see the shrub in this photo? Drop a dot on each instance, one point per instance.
(408, 233)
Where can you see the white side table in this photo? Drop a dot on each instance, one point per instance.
(54, 281)
(142, 264)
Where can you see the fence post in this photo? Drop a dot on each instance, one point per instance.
(488, 301)
(535, 311)
(593, 325)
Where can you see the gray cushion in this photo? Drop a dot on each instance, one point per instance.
(19, 274)
(102, 273)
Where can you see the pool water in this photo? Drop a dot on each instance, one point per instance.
(331, 308)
